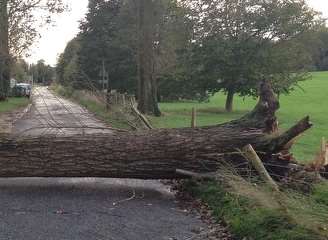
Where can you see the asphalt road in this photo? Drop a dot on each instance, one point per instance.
(51, 114)
(88, 208)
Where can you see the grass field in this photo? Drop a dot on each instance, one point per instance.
(12, 104)
(311, 100)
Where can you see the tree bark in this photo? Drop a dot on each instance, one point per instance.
(229, 100)
(4, 51)
(153, 154)
(147, 84)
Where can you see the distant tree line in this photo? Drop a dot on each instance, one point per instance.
(191, 49)
(39, 73)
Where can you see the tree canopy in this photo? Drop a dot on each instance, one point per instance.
(238, 43)
(194, 48)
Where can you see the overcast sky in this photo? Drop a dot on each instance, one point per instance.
(54, 38)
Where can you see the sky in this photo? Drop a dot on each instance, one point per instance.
(54, 38)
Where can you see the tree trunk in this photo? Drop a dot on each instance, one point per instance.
(229, 100)
(153, 154)
(4, 51)
(147, 85)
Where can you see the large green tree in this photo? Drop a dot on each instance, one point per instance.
(237, 41)
(108, 42)
(68, 70)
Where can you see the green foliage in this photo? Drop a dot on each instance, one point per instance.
(108, 36)
(20, 71)
(320, 49)
(64, 91)
(68, 68)
(196, 55)
(260, 42)
(42, 73)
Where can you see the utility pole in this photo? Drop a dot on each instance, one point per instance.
(32, 75)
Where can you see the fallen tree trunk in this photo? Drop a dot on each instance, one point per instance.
(153, 154)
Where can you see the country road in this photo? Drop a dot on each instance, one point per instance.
(88, 208)
(51, 114)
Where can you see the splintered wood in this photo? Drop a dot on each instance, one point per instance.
(321, 159)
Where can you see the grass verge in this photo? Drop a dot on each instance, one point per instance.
(115, 118)
(13, 104)
(8, 112)
(252, 211)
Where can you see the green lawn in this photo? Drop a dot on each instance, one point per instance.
(12, 104)
(312, 100)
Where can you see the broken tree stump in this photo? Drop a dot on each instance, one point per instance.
(153, 154)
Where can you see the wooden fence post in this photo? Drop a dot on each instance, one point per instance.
(123, 99)
(108, 101)
(324, 152)
(194, 118)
